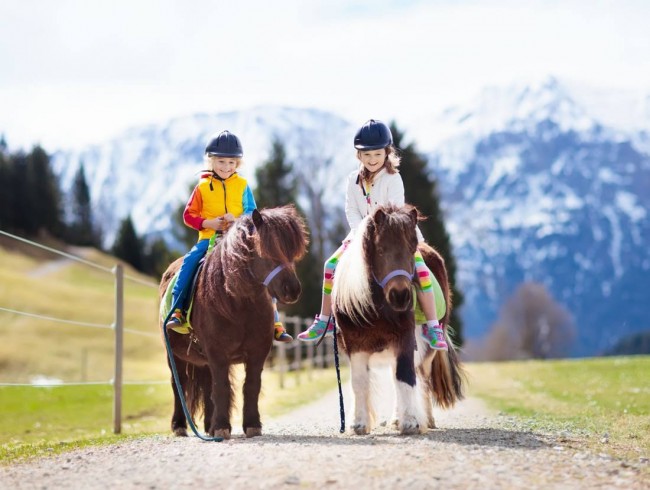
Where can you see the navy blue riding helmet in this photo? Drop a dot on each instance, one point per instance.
(373, 135)
(225, 144)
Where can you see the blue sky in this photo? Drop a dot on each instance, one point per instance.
(74, 72)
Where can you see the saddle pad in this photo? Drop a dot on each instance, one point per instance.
(441, 305)
(166, 303)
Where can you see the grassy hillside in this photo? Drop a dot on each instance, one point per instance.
(75, 292)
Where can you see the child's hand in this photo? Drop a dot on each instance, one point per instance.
(228, 217)
(217, 224)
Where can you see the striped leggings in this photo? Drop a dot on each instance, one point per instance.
(424, 275)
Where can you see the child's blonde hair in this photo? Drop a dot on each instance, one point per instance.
(391, 163)
(210, 159)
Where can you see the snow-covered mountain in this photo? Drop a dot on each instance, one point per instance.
(147, 171)
(539, 182)
(538, 188)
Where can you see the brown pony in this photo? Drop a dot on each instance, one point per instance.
(232, 317)
(373, 307)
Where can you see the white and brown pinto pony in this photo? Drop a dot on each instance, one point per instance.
(373, 306)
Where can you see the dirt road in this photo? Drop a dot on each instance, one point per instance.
(471, 449)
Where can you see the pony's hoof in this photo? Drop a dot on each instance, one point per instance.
(223, 433)
(253, 431)
(431, 424)
(409, 427)
(360, 429)
(180, 432)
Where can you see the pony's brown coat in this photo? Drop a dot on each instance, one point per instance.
(232, 316)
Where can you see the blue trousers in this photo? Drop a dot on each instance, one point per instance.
(186, 272)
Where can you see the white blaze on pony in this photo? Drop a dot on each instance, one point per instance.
(373, 305)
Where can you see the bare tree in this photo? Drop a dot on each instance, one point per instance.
(531, 325)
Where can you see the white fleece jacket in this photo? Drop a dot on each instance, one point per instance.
(386, 188)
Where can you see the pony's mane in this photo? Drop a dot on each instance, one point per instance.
(351, 292)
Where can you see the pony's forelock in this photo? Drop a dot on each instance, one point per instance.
(291, 245)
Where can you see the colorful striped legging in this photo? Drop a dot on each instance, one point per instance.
(424, 275)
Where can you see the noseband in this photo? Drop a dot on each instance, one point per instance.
(271, 275)
(390, 275)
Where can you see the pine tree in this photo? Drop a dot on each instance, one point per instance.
(6, 184)
(157, 258)
(82, 230)
(421, 190)
(23, 199)
(128, 246)
(43, 190)
(183, 233)
(277, 186)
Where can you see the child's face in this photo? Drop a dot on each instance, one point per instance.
(224, 167)
(373, 160)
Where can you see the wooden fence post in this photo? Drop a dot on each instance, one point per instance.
(119, 347)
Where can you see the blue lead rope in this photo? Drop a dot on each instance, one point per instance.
(179, 388)
(338, 377)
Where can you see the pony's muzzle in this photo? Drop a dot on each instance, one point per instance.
(399, 295)
(288, 291)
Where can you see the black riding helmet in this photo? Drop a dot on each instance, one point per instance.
(373, 135)
(225, 144)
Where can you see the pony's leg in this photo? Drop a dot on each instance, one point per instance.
(179, 422)
(221, 394)
(423, 358)
(424, 381)
(409, 410)
(361, 388)
(252, 425)
(208, 406)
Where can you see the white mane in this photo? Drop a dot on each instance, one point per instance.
(351, 291)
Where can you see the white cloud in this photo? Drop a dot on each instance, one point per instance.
(75, 72)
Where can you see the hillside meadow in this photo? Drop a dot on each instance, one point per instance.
(601, 404)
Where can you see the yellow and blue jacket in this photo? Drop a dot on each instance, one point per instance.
(213, 197)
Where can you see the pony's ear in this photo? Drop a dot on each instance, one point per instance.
(258, 221)
(380, 217)
(413, 213)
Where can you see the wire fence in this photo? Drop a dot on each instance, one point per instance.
(296, 357)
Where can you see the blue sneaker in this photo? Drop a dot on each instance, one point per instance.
(435, 337)
(316, 329)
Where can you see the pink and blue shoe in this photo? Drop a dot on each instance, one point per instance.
(435, 337)
(315, 331)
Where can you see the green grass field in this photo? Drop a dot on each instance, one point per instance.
(600, 403)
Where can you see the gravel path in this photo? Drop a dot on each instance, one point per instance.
(471, 449)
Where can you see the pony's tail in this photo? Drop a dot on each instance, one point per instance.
(447, 376)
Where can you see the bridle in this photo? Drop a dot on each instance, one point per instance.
(390, 275)
(271, 275)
